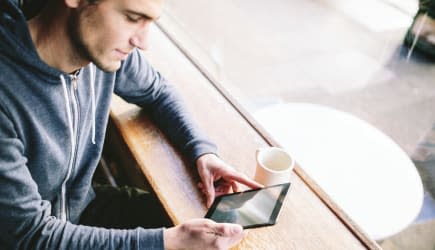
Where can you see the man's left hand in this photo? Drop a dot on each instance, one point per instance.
(218, 178)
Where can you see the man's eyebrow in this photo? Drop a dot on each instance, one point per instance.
(143, 15)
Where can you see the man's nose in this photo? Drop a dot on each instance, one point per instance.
(140, 37)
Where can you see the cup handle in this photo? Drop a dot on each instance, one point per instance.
(257, 152)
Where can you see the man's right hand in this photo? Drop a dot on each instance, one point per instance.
(203, 234)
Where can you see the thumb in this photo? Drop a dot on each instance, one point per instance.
(229, 229)
(209, 191)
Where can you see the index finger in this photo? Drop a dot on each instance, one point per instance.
(241, 178)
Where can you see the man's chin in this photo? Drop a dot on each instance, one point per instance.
(109, 67)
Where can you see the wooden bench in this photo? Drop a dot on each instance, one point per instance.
(309, 220)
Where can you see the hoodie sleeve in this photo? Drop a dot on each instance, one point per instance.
(137, 82)
(26, 221)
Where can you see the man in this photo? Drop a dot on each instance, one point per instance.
(421, 34)
(58, 72)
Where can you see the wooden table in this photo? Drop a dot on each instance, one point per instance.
(309, 220)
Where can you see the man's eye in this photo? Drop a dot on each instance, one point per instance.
(133, 19)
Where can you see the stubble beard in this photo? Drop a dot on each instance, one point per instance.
(81, 49)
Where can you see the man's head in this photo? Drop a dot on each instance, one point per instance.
(106, 31)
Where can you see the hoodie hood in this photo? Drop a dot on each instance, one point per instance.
(16, 42)
(19, 47)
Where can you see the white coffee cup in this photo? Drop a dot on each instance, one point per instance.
(274, 166)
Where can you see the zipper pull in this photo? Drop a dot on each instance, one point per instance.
(74, 79)
(74, 82)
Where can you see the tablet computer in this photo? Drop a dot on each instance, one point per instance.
(251, 208)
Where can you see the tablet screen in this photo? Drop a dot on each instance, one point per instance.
(252, 208)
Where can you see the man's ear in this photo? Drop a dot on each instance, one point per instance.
(72, 3)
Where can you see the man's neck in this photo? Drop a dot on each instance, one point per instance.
(49, 32)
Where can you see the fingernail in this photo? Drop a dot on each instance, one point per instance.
(236, 229)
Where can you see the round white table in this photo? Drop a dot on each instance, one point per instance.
(364, 171)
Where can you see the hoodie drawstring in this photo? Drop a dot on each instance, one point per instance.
(92, 82)
(69, 111)
(68, 108)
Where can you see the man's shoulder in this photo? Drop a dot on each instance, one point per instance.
(9, 69)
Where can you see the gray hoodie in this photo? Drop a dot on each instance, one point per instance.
(52, 128)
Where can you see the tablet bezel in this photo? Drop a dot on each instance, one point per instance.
(275, 212)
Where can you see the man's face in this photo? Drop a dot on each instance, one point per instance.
(107, 31)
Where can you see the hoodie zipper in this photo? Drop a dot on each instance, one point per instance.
(75, 121)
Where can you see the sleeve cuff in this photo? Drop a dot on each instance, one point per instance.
(202, 149)
(150, 239)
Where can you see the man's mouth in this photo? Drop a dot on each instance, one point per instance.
(122, 55)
